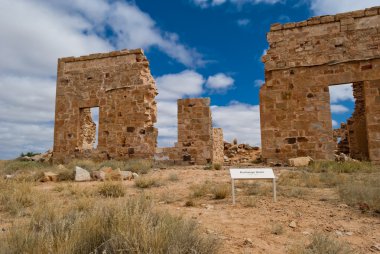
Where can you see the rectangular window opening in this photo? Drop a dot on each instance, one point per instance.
(89, 128)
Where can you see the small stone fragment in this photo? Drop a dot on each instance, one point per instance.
(292, 224)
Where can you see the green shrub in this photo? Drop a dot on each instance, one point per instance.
(341, 167)
(138, 166)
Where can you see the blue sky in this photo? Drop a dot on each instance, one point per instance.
(197, 48)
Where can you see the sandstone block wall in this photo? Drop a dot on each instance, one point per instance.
(303, 60)
(198, 143)
(218, 146)
(121, 85)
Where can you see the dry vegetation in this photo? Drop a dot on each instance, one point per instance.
(159, 211)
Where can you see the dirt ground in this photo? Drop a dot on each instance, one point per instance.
(255, 224)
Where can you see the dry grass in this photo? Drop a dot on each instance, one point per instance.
(147, 182)
(220, 190)
(111, 189)
(311, 180)
(341, 167)
(173, 177)
(106, 227)
(363, 192)
(16, 197)
(322, 243)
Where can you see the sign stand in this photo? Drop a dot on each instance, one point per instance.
(249, 174)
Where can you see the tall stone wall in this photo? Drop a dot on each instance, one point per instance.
(198, 143)
(303, 60)
(121, 85)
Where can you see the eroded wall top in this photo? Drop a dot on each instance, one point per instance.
(322, 40)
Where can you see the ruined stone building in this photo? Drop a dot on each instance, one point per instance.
(198, 142)
(303, 60)
(118, 83)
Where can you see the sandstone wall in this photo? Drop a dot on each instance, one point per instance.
(218, 146)
(198, 143)
(121, 85)
(303, 60)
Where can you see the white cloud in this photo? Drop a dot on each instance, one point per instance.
(210, 3)
(238, 120)
(338, 109)
(176, 86)
(259, 82)
(37, 32)
(219, 81)
(334, 123)
(341, 93)
(243, 22)
(172, 87)
(323, 7)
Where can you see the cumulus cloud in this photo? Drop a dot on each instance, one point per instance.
(238, 120)
(172, 87)
(334, 123)
(219, 81)
(37, 32)
(323, 7)
(341, 93)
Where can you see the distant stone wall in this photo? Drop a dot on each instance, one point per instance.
(121, 85)
(303, 60)
(218, 146)
(196, 141)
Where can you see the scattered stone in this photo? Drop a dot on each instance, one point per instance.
(240, 153)
(300, 161)
(50, 177)
(292, 224)
(82, 175)
(343, 206)
(375, 247)
(338, 233)
(248, 241)
(99, 175)
(8, 177)
(126, 175)
(349, 233)
(135, 175)
(306, 232)
(25, 158)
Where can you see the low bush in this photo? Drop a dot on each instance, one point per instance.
(173, 177)
(364, 192)
(341, 167)
(111, 189)
(322, 243)
(147, 182)
(109, 227)
(138, 166)
(220, 191)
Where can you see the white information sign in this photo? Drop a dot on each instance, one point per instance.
(252, 173)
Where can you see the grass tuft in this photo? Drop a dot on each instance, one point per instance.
(111, 190)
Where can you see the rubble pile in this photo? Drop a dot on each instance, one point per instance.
(241, 154)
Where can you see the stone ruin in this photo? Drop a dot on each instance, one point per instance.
(198, 142)
(303, 60)
(120, 84)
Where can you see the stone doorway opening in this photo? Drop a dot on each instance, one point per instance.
(89, 128)
(347, 105)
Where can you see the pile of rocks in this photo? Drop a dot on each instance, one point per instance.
(240, 153)
(42, 157)
(105, 173)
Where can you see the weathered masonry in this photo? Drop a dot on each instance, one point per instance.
(198, 142)
(303, 60)
(119, 84)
